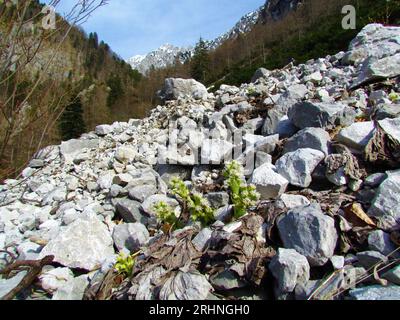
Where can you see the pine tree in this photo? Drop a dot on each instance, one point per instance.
(200, 64)
(116, 90)
(71, 123)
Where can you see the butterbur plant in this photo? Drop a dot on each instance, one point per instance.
(198, 207)
(167, 215)
(243, 196)
(124, 264)
(394, 96)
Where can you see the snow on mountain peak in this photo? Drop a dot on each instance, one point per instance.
(167, 54)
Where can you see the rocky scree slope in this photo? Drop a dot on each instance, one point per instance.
(324, 137)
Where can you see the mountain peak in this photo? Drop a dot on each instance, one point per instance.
(167, 54)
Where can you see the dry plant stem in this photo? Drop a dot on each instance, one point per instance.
(364, 277)
(35, 269)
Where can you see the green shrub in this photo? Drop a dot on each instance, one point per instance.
(124, 264)
(394, 96)
(167, 215)
(243, 196)
(198, 207)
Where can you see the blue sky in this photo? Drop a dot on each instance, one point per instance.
(133, 27)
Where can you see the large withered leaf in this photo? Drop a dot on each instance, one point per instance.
(240, 252)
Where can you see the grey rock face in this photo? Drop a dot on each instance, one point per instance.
(373, 42)
(384, 68)
(227, 280)
(83, 244)
(289, 269)
(175, 88)
(376, 293)
(141, 193)
(385, 111)
(129, 210)
(375, 180)
(72, 148)
(186, 286)
(6, 285)
(357, 135)
(202, 239)
(291, 201)
(380, 241)
(260, 73)
(53, 279)
(167, 172)
(103, 130)
(369, 259)
(28, 251)
(217, 199)
(268, 182)
(131, 236)
(320, 115)
(393, 275)
(125, 154)
(313, 138)
(73, 289)
(36, 163)
(149, 203)
(387, 200)
(309, 232)
(391, 128)
(297, 167)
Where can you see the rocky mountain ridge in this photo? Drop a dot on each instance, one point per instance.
(318, 141)
(167, 54)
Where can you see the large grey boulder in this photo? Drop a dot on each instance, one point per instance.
(131, 236)
(260, 73)
(103, 130)
(268, 182)
(376, 50)
(150, 202)
(369, 259)
(373, 69)
(175, 88)
(386, 202)
(374, 41)
(126, 154)
(321, 115)
(310, 232)
(217, 199)
(186, 286)
(376, 292)
(291, 201)
(393, 275)
(313, 138)
(53, 279)
(73, 290)
(129, 210)
(392, 128)
(380, 241)
(141, 193)
(6, 285)
(289, 269)
(357, 135)
(168, 172)
(276, 121)
(297, 167)
(72, 148)
(385, 111)
(84, 244)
